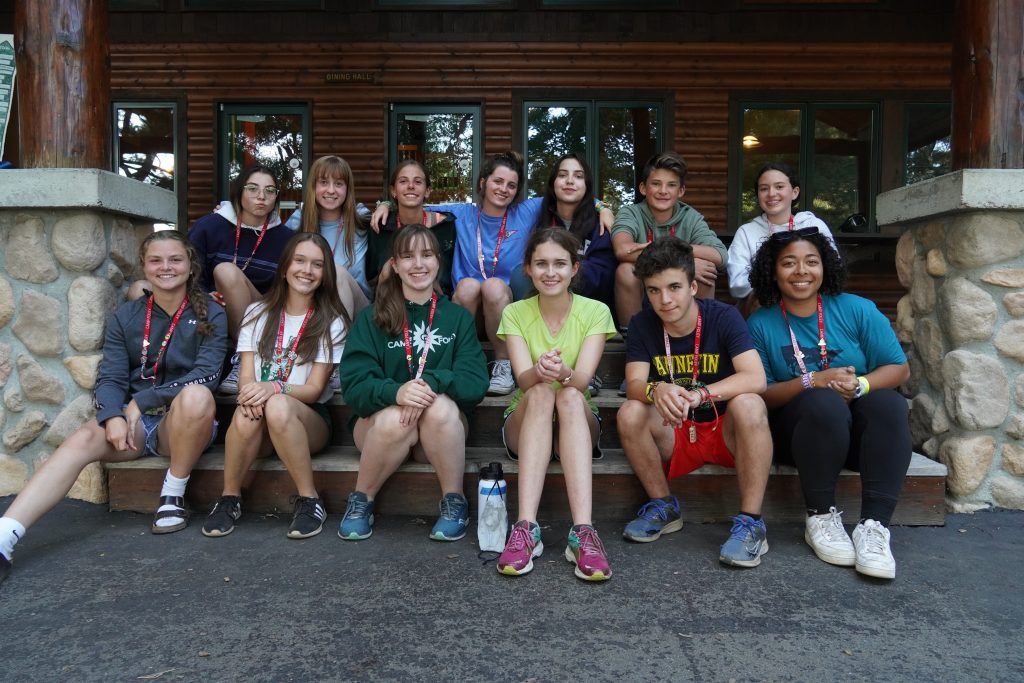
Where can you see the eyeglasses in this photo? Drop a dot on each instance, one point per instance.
(790, 235)
(254, 189)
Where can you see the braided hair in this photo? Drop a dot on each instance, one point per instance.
(193, 289)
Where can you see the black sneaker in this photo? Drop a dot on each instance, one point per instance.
(308, 518)
(5, 568)
(222, 518)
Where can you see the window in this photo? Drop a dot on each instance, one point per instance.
(833, 146)
(927, 151)
(615, 137)
(144, 142)
(445, 139)
(274, 135)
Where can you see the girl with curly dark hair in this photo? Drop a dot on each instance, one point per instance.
(833, 364)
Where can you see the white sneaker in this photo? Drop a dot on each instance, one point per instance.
(229, 385)
(501, 378)
(874, 558)
(827, 537)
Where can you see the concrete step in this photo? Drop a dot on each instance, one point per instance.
(709, 494)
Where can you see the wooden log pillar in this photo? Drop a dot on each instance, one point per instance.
(63, 56)
(988, 84)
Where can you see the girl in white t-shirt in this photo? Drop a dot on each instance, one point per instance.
(289, 344)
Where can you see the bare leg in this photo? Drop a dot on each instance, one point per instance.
(187, 428)
(237, 291)
(246, 440)
(629, 293)
(646, 442)
(577, 429)
(55, 477)
(443, 442)
(748, 438)
(528, 432)
(384, 444)
(467, 295)
(496, 296)
(351, 293)
(296, 431)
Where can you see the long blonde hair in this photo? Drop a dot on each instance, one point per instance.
(331, 167)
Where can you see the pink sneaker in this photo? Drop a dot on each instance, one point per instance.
(523, 545)
(586, 551)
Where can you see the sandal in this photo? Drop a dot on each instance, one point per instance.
(178, 511)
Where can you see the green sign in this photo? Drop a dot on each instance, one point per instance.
(7, 70)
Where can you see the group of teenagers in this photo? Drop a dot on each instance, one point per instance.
(388, 308)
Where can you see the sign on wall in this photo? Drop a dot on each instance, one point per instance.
(7, 70)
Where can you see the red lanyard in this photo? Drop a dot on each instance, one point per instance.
(791, 223)
(497, 244)
(285, 362)
(822, 346)
(671, 232)
(398, 221)
(163, 344)
(238, 237)
(418, 372)
(696, 351)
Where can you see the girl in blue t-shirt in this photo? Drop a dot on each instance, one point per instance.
(555, 340)
(833, 365)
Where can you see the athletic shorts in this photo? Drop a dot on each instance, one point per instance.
(709, 449)
(595, 451)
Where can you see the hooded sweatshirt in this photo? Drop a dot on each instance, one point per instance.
(374, 365)
(687, 223)
(214, 237)
(748, 240)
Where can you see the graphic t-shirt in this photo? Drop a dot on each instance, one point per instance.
(265, 369)
(856, 334)
(724, 336)
(523, 319)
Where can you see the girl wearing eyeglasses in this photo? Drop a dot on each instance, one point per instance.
(833, 365)
(777, 188)
(153, 396)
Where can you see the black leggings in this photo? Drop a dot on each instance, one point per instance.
(820, 433)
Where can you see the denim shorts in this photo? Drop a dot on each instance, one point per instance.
(150, 423)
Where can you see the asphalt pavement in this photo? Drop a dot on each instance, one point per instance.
(95, 597)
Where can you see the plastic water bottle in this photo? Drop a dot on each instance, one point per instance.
(492, 514)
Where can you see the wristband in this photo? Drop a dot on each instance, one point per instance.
(863, 387)
(568, 378)
(807, 380)
(649, 392)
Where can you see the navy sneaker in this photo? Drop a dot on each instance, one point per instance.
(655, 517)
(5, 567)
(748, 541)
(451, 525)
(308, 518)
(222, 518)
(357, 524)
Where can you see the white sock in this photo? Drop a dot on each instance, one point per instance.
(11, 531)
(173, 486)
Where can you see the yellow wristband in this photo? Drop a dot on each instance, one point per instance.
(863, 386)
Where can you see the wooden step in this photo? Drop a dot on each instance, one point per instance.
(709, 494)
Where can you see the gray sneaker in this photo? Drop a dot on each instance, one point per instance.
(229, 385)
(501, 378)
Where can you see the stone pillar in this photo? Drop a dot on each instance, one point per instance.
(69, 250)
(961, 254)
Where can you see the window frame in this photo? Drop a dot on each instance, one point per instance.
(594, 100)
(398, 107)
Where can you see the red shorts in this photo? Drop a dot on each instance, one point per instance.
(709, 448)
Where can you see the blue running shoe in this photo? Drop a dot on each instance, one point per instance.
(357, 524)
(451, 525)
(748, 541)
(655, 518)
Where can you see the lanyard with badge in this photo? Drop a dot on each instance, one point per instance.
(695, 372)
(418, 371)
(497, 244)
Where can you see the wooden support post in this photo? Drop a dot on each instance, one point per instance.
(988, 84)
(63, 55)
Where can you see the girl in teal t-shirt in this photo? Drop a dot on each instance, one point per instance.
(555, 341)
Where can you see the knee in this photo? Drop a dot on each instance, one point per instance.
(442, 415)
(387, 423)
(226, 275)
(570, 400)
(279, 411)
(540, 393)
(632, 416)
(495, 291)
(824, 407)
(195, 403)
(624, 276)
(748, 410)
(467, 289)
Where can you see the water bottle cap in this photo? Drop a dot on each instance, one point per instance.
(492, 471)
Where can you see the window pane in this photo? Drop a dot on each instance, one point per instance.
(552, 131)
(145, 144)
(273, 140)
(767, 135)
(443, 143)
(842, 164)
(928, 142)
(627, 138)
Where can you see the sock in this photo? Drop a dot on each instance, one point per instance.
(756, 518)
(173, 486)
(11, 531)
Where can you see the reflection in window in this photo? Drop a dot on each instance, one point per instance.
(842, 164)
(144, 143)
(928, 142)
(768, 135)
(445, 140)
(616, 139)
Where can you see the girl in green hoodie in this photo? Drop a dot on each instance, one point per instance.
(412, 369)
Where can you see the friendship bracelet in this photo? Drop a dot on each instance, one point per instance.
(863, 387)
(649, 392)
(807, 380)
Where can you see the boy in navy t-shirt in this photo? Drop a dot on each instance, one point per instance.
(693, 379)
